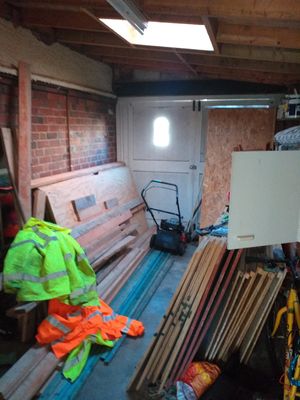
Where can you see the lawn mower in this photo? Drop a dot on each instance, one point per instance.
(170, 235)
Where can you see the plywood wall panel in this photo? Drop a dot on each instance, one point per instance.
(228, 128)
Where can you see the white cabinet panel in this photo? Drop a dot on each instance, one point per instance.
(264, 198)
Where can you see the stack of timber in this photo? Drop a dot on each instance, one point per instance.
(220, 307)
(131, 301)
(197, 298)
(244, 314)
(106, 215)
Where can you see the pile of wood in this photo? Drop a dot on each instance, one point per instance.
(210, 265)
(220, 307)
(244, 314)
(102, 207)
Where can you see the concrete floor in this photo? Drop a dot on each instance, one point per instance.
(109, 382)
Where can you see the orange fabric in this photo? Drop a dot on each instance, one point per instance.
(72, 324)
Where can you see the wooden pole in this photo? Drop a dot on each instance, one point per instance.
(24, 138)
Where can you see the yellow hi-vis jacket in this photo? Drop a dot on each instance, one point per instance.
(45, 262)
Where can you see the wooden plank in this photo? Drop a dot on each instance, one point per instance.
(84, 202)
(242, 301)
(49, 180)
(236, 332)
(197, 341)
(231, 300)
(260, 297)
(15, 376)
(281, 37)
(185, 300)
(104, 272)
(103, 247)
(255, 330)
(36, 378)
(114, 182)
(145, 364)
(85, 207)
(111, 203)
(197, 305)
(118, 247)
(84, 228)
(24, 137)
(98, 231)
(9, 151)
(7, 156)
(212, 28)
(39, 204)
(120, 280)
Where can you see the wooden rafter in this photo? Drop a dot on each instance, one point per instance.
(259, 36)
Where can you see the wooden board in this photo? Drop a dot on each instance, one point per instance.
(197, 304)
(23, 175)
(149, 357)
(111, 203)
(19, 371)
(227, 310)
(227, 128)
(111, 183)
(211, 308)
(8, 145)
(49, 180)
(39, 204)
(84, 206)
(256, 327)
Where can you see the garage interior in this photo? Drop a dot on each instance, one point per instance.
(182, 289)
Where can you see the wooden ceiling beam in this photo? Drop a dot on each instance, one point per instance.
(258, 36)
(245, 65)
(248, 76)
(89, 38)
(150, 65)
(264, 9)
(211, 26)
(193, 59)
(60, 19)
(143, 54)
(260, 53)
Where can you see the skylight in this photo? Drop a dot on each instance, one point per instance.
(163, 34)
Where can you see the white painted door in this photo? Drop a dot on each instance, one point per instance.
(178, 161)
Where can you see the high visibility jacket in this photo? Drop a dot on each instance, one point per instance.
(45, 262)
(68, 326)
(78, 357)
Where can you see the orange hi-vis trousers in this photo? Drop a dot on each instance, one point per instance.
(67, 326)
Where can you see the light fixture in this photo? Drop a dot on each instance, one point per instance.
(129, 11)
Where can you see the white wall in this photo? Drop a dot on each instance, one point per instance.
(55, 61)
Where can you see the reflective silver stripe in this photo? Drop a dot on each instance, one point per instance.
(31, 278)
(77, 359)
(55, 322)
(94, 314)
(74, 314)
(13, 245)
(42, 235)
(68, 256)
(84, 290)
(59, 340)
(126, 329)
(81, 257)
(93, 338)
(111, 317)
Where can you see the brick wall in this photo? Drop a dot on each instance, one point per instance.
(70, 129)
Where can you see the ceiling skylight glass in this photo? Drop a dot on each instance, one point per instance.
(163, 34)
